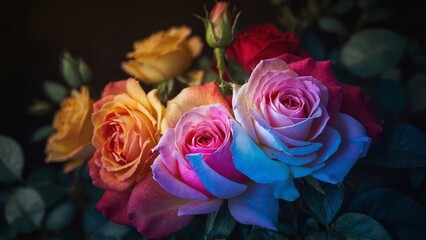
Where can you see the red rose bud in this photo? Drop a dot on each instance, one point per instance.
(220, 26)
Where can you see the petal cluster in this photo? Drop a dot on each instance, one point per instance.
(163, 55)
(71, 141)
(126, 128)
(294, 128)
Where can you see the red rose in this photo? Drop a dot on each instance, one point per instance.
(262, 42)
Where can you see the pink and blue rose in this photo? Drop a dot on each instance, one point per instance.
(195, 163)
(194, 172)
(290, 125)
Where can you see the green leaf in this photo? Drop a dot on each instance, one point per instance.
(65, 235)
(329, 235)
(403, 217)
(60, 216)
(314, 183)
(390, 95)
(332, 25)
(416, 88)
(401, 146)
(55, 91)
(192, 231)
(45, 180)
(311, 226)
(111, 231)
(85, 72)
(11, 160)
(92, 219)
(368, 182)
(343, 6)
(70, 70)
(24, 210)
(417, 177)
(373, 51)
(254, 235)
(96, 226)
(235, 72)
(260, 233)
(220, 223)
(323, 206)
(357, 226)
(311, 43)
(287, 229)
(42, 133)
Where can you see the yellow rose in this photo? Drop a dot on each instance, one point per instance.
(126, 128)
(71, 143)
(163, 55)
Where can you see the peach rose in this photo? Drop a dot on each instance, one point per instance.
(127, 123)
(163, 55)
(71, 141)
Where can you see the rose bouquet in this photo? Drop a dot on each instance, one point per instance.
(255, 146)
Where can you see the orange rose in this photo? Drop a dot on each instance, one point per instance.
(127, 123)
(74, 129)
(163, 55)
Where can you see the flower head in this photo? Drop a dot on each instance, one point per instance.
(292, 125)
(127, 123)
(220, 26)
(262, 41)
(71, 141)
(163, 55)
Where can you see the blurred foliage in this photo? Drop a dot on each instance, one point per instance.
(383, 197)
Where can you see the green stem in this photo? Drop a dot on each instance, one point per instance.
(219, 54)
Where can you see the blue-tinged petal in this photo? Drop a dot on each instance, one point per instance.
(265, 134)
(302, 171)
(252, 161)
(270, 139)
(289, 159)
(173, 185)
(293, 142)
(286, 190)
(354, 145)
(256, 206)
(215, 183)
(331, 141)
(306, 149)
(199, 207)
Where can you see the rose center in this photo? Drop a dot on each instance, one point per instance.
(290, 102)
(204, 140)
(116, 143)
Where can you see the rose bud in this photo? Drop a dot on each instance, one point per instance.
(220, 26)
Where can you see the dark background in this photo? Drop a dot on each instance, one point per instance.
(34, 33)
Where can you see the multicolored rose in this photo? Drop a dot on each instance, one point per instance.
(195, 168)
(126, 129)
(292, 127)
